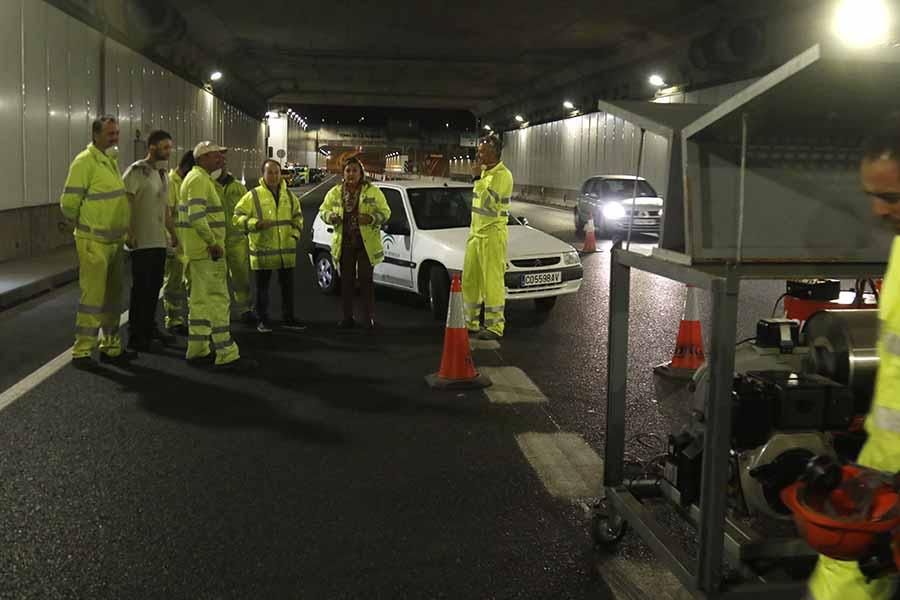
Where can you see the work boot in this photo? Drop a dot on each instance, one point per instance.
(263, 327)
(126, 357)
(85, 363)
(165, 337)
(241, 365)
(202, 361)
(473, 332)
(487, 334)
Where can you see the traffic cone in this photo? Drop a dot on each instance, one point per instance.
(688, 355)
(590, 240)
(457, 371)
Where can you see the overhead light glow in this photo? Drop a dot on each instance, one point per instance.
(520, 118)
(487, 127)
(568, 105)
(862, 23)
(215, 76)
(657, 80)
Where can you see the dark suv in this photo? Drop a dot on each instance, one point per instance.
(608, 200)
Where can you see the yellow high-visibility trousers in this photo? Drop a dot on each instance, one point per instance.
(100, 269)
(237, 254)
(174, 292)
(209, 318)
(484, 270)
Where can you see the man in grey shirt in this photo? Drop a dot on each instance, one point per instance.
(152, 231)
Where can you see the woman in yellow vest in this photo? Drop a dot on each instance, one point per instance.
(270, 215)
(357, 210)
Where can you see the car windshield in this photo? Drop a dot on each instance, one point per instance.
(620, 189)
(441, 208)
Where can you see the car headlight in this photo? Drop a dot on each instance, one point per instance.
(571, 258)
(614, 211)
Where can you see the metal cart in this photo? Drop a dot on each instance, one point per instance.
(720, 538)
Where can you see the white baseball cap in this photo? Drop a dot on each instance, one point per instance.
(206, 147)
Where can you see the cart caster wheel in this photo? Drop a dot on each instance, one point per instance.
(608, 530)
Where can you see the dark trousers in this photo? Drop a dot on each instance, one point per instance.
(148, 267)
(355, 267)
(285, 282)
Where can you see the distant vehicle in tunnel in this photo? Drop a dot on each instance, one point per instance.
(425, 242)
(608, 200)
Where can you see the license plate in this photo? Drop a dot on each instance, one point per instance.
(643, 221)
(532, 279)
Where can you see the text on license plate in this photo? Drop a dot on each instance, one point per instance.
(530, 279)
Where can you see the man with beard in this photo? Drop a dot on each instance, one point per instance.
(153, 227)
(880, 176)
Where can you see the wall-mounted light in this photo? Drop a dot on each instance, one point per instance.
(862, 23)
(656, 80)
(568, 105)
(487, 128)
(215, 76)
(520, 118)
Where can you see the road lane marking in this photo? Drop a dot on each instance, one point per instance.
(305, 194)
(41, 374)
(484, 345)
(565, 463)
(510, 385)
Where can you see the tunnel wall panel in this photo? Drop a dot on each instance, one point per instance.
(52, 85)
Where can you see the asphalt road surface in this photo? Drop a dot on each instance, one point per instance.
(334, 471)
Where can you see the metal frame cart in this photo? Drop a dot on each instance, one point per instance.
(720, 538)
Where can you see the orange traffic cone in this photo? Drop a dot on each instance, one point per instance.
(688, 355)
(590, 239)
(457, 367)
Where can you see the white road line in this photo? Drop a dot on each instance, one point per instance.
(567, 466)
(484, 345)
(305, 194)
(38, 376)
(510, 385)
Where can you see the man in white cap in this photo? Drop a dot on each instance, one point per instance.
(201, 227)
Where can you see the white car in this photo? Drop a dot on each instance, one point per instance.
(425, 243)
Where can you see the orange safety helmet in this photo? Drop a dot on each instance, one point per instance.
(849, 534)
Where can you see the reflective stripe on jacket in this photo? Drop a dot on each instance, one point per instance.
(94, 197)
(276, 247)
(490, 200)
(371, 202)
(885, 413)
(201, 216)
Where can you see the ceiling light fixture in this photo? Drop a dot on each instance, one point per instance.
(657, 80)
(215, 76)
(862, 23)
(520, 118)
(568, 105)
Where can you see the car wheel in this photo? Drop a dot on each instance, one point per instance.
(438, 292)
(579, 224)
(326, 275)
(545, 305)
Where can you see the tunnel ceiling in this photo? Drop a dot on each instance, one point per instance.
(461, 55)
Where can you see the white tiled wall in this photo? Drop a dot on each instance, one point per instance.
(50, 91)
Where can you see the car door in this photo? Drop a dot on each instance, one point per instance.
(396, 237)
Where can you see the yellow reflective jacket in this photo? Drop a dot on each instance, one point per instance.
(276, 247)
(94, 197)
(175, 181)
(490, 200)
(231, 191)
(201, 216)
(371, 202)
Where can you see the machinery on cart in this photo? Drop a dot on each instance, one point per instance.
(763, 186)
